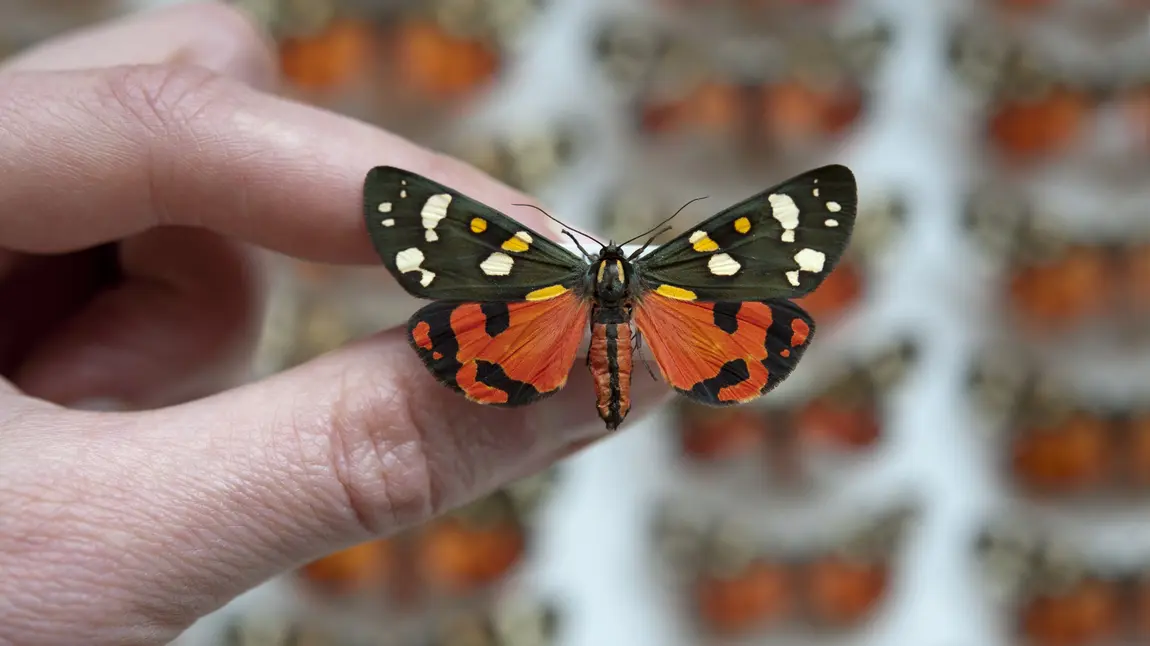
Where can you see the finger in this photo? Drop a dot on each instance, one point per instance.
(173, 330)
(211, 497)
(133, 148)
(209, 34)
(179, 324)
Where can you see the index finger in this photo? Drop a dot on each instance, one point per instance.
(124, 149)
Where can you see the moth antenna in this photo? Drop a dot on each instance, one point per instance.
(577, 245)
(663, 222)
(640, 250)
(556, 221)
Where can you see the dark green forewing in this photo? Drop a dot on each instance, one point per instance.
(780, 243)
(443, 245)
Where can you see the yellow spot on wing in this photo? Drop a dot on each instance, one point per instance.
(701, 242)
(478, 225)
(742, 225)
(545, 293)
(519, 242)
(677, 293)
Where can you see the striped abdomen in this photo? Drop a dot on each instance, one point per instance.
(610, 359)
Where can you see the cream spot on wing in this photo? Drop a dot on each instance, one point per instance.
(390, 222)
(385, 207)
(815, 192)
(810, 260)
(787, 213)
(410, 260)
(721, 264)
(497, 264)
(834, 207)
(430, 235)
(403, 194)
(793, 277)
(831, 222)
(434, 210)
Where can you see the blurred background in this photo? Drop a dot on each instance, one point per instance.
(962, 459)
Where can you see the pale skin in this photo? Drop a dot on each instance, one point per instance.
(126, 510)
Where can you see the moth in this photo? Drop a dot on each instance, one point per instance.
(1035, 109)
(462, 554)
(512, 306)
(798, 92)
(1057, 281)
(1057, 442)
(738, 583)
(1056, 592)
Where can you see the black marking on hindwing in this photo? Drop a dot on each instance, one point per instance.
(498, 317)
(726, 316)
(442, 358)
(731, 374)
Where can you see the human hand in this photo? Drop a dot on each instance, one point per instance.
(138, 160)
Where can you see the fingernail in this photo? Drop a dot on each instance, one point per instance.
(104, 404)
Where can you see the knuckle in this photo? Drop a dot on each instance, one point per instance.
(379, 457)
(163, 99)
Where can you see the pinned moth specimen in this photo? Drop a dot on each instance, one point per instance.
(1056, 282)
(735, 584)
(463, 553)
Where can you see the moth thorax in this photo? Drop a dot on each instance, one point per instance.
(611, 280)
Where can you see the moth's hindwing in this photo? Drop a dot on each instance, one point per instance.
(440, 244)
(780, 243)
(725, 352)
(505, 354)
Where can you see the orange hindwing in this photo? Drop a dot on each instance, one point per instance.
(723, 352)
(506, 354)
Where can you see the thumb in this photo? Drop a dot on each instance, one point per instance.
(126, 527)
